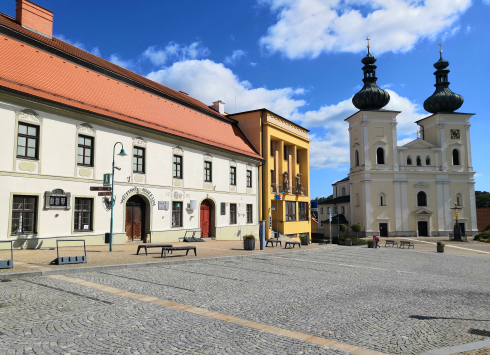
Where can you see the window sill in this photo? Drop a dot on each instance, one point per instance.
(85, 166)
(176, 177)
(28, 158)
(14, 235)
(83, 230)
(139, 172)
(177, 226)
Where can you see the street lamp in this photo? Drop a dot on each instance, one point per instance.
(123, 154)
(277, 212)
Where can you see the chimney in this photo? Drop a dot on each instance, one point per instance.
(219, 106)
(35, 18)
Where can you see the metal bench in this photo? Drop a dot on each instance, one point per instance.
(192, 238)
(272, 241)
(79, 259)
(408, 244)
(293, 243)
(146, 246)
(391, 242)
(164, 250)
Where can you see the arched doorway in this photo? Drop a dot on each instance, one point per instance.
(206, 218)
(135, 217)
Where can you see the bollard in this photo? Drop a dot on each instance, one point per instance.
(262, 235)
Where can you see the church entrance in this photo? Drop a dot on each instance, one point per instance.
(135, 218)
(205, 218)
(383, 229)
(463, 231)
(423, 229)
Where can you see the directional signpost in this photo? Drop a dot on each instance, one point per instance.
(100, 188)
(105, 193)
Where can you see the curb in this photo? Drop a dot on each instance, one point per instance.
(73, 270)
(460, 348)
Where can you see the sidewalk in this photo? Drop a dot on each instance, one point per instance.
(39, 259)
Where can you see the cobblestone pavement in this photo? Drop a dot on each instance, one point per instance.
(389, 300)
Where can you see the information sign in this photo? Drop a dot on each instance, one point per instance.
(270, 221)
(105, 193)
(100, 188)
(107, 180)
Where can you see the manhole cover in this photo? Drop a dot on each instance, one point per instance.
(484, 333)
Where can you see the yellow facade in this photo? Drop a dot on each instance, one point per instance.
(285, 147)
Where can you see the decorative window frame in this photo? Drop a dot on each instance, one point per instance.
(178, 182)
(76, 231)
(382, 194)
(137, 177)
(38, 214)
(457, 147)
(82, 171)
(30, 117)
(426, 198)
(462, 199)
(382, 145)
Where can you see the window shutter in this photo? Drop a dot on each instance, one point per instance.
(223, 208)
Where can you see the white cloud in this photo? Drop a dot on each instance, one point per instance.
(450, 32)
(306, 28)
(253, 64)
(79, 44)
(469, 28)
(175, 51)
(116, 59)
(209, 81)
(236, 55)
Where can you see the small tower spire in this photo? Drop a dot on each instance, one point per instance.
(443, 99)
(371, 97)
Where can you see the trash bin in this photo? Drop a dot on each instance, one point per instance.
(107, 238)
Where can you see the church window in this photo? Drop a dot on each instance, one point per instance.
(427, 160)
(459, 199)
(356, 158)
(456, 157)
(409, 160)
(380, 156)
(343, 191)
(421, 199)
(357, 200)
(382, 199)
(419, 160)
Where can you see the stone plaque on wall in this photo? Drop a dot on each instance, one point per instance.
(57, 200)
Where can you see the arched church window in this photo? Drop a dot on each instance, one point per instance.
(343, 191)
(382, 199)
(459, 199)
(427, 160)
(456, 157)
(421, 199)
(409, 160)
(380, 156)
(356, 158)
(419, 160)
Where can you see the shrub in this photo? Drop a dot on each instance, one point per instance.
(343, 228)
(249, 236)
(440, 244)
(483, 237)
(370, 243)
(356, 228)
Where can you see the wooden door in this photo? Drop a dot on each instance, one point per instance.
(134, 222)
(205, 218)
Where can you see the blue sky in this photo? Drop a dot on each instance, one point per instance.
(299, 58)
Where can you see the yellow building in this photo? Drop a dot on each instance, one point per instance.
(285, 147)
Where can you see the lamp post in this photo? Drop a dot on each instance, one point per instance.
(277, 212)
(123, 154)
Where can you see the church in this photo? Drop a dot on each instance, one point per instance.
(408, 190)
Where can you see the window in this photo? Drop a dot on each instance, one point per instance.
(249, 214)
(27, 141)
(223, 208)
(343, 191)
(380, 156)
(24, 212)
(232, 213)
(138, 160)
(249, 178)
(427, 160)
(419, 160)
(421, 199)
(232, 175)
(85, 151)
(272, 149)
(297, 157)
(285, 152)
(459, 199)
(177, 214)
(302, 211)
(382, 199)
(83, 214)
(178, 167)
(342, 209)
(356, 158)
(456, 157)
(321, 210)
(328, 210)
(409, 160)
(290, 211)
(208, 171)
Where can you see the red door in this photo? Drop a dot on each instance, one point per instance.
(205, 218)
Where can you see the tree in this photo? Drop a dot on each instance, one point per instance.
(482, 199)
(356, 228)
(343, 229)
(322, 199)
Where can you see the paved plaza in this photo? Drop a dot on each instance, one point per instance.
(330, 300)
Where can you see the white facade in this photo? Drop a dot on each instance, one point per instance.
(55, 166)
(387, 183)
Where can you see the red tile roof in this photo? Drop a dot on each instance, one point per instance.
(33, 71)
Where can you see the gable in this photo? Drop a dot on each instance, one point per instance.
(419, 144)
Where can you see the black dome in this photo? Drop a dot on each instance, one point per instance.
(443, 99)
(371, 97)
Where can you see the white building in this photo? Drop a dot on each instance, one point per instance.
(408, 190)
(63, 112)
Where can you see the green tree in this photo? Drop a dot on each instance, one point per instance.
(482, 199)
(343, 229)
(322, 199)
(356, 228)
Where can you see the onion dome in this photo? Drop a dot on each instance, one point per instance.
(443, 99)
(371, 97)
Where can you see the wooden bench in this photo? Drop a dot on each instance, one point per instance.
(408, 244)
(272, 241)
(391, 242)
(164, 250)
(293, 243)
(146, 246)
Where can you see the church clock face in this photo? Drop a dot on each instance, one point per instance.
(455, 133)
